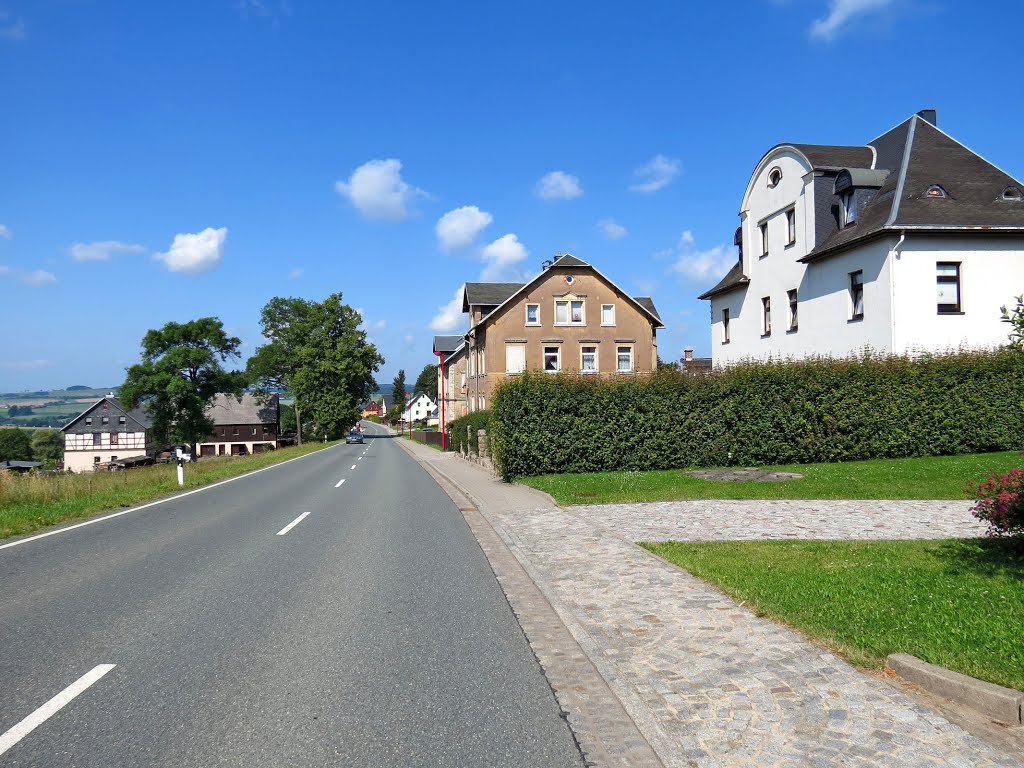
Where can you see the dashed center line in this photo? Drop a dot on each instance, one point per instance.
(353, 466)
(50, 708)
(292, 524)
(338, 484)
(360, 458)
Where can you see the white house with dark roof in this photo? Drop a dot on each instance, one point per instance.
(909, 243)
(106, 432)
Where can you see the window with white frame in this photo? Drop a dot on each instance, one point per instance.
(624, 358)
(793, 301)
(766, 316)
(848, 203)
(791, 226)
(482, 367)
(763, 228)
(552, 359)
(725, 325)
(607, 314)
(588, 359)
(569, 312)
(947, 278)
(515, 358)
(533, 314)
(857, 295)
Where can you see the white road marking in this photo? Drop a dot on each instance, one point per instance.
(52, 707)
(338, 484)
(353, 466)
(360, 458)
(292, 524)
(27, 539)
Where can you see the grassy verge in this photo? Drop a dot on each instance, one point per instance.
(928, 477)
(30, 502)
(958, 603)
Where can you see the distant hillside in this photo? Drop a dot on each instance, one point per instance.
(77, 387)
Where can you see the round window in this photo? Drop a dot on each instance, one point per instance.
(569, 279)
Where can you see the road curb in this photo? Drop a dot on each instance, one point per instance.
(995, 701)
(598, 720)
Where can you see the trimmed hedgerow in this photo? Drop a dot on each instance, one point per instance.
(760, 413)
(457, 438)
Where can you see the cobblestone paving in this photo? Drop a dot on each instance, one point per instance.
(709, 683)
(725, 519)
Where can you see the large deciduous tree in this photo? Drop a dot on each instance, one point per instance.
(15, 444)
(426, 382)
(47, 446)
(317, 352)
(181, 370)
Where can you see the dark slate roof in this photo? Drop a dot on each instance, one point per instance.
(447, 343)
(830, 156)
(487, 294)
(928, 156)
(860, 177)
(226, 409)
(568, 260)
(388, 401)
(648, 303)
(734, 278)
(136, 419)
(15, 464)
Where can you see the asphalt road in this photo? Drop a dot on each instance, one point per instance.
(370, 633)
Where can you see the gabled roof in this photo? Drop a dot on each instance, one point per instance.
(447, 344)
(136, 419)
(566, 260)
(926, 156)
(734, 278)
(226, 409)
(487, 294)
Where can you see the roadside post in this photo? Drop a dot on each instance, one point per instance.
(181, 465)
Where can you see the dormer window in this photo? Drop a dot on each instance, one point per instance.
(1012, 194)
(935, 192)
(848, 201)
(774, 177)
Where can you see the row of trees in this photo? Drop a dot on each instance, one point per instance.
(315, 350)
(44, 445)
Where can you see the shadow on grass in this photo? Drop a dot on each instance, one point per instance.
(987, 557)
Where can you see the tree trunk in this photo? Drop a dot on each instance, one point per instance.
(298, 424)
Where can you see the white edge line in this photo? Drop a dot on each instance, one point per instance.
(154, 503)
(292, 524)
(50, 708)
(338, 484)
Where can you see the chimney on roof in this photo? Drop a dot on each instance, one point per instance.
(929, 116)
(688, 354)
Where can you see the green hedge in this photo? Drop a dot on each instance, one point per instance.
(760, 413)
(457, 439)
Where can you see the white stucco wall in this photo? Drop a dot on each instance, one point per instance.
(991, 275)
(80, 454)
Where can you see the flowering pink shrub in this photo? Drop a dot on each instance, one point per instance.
(1001, 503)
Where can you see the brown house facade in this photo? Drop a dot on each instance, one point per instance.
(569, 318)
(249, 426)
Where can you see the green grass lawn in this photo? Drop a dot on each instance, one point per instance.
(929, 477)
(957, 603)
(31, 502)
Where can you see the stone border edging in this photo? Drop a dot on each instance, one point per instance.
(603, 729)
(1003, 704)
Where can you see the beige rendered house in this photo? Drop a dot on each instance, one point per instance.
(568, 318)
(451, 377)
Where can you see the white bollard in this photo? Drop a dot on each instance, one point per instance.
(181, 474)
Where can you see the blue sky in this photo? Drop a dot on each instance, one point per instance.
(168, 161)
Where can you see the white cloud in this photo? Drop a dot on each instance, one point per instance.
(558, 185)
(658, 172)
(102, 250)
(501, 257)
(840, 13)
(459, 227)
(611, 229)
(12, 28)
(410, 340)
(377, 189)
(702, 265)
(25, 365)
(35, 278)
(296, 273)
(194, 253)
(449, 317)
(5, 232)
